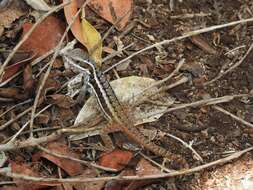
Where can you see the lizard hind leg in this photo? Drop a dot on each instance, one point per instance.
(104, 134)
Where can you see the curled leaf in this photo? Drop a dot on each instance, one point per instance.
(92, 39)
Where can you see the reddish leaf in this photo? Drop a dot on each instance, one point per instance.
(69, 11)
(14, 93)
(116, 159)
(26, 170)
(45, 37)
(113, 11)
(71, 167)
(14, 68)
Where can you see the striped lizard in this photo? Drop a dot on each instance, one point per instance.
(114, 111)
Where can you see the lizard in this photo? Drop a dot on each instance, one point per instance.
(114, 111)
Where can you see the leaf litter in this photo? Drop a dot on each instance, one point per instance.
(206, 55)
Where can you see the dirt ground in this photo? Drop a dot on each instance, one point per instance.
(214, 134)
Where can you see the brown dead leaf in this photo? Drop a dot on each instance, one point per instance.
(52, 84)
(63, 101)
(13, 93)
(29, 82)
(116, 159)
(9, 15)
(26, 170)
(45, 37)
(43, 118)
(69, 11)
(71, 167)
(14, 68)
(66, 114)
(201, 42)
(113, 11)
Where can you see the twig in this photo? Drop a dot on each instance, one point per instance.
(34, 62)
(163, 168)
(184, 16)
(25, 37)
(30, 142)
(209, 101)
(187, 35)
(76, 160)
(186, 145)
(158, 93)
(158, 83)
(221, 74)
(7, 182)
(26, 124)
(233, 116)
(7, 172)
(110, 56)
(15, 106)
(2, 127)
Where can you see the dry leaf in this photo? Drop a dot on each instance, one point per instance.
(14, 68)
(45, 37)
(9, 15)
(39, 5)
(29, 82)
(120, 184)
(96, 185)
(63, 101)
(113, 11)
(71, 167)
(92, 39)
(69, 11)
(116, 159)
(84, 32)
(14, 93)
(125, 89)
(26, 170)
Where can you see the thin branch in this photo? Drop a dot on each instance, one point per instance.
(2, 127)
(34, 62)
(233, 116)
(210, 101)
(163, 168)
(15, 106)
(186, 145)
(30, 142)
(26, 124)
(7, 172)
